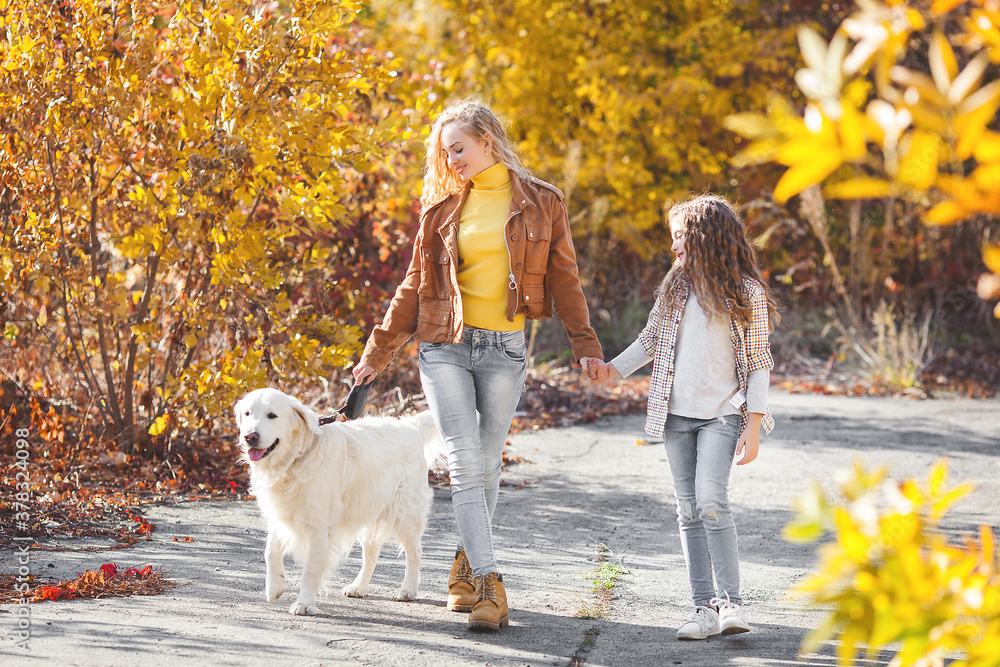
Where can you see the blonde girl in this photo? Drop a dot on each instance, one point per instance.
(707, 337)
(493, 248)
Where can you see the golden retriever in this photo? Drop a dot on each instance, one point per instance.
(321, 488)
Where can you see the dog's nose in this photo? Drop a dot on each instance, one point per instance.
(251, 438)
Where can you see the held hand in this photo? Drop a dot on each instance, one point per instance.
(606, 373)
(593, 367)
(361, 372)
(610, 375)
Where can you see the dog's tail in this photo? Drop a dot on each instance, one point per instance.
(434, 450)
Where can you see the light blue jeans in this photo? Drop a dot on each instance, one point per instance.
(473, 388)
(700, 452)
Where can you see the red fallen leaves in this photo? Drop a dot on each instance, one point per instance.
(564, 399)
(106, 582)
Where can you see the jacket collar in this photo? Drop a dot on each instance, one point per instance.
(522, 194)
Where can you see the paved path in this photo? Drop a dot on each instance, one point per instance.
(584, 486)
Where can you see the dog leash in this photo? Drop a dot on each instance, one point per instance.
(353, 406)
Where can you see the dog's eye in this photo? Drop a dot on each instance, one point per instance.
(271, 415)
(247, 413)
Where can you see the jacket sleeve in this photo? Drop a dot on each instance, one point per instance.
(400, 321)
(649, 336)
(564, 284)
(758, 344)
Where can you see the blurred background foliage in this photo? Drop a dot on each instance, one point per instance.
(196, 200)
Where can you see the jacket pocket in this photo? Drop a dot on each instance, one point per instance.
(534, 301)
(435, 268)
(433, 319)
(537, 252)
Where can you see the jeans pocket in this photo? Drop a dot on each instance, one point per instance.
(428, 348)
(516, 351)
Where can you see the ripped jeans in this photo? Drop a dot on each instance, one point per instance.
(700, 452)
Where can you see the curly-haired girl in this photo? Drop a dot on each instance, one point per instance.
(707, 337)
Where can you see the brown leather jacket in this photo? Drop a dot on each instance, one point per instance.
(428, 305)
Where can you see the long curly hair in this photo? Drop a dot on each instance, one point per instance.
(478, 121)
(718, 255)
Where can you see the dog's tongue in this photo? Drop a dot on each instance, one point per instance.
(255, 454)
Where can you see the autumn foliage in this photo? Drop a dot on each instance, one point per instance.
(174, 178)
(901, 106)
(893, 575)
(108, 581)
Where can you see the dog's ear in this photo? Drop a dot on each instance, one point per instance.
(310, 418)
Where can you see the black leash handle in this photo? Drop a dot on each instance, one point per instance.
(354, 405)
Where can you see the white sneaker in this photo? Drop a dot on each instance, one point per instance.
(702, 625)
(731, 618)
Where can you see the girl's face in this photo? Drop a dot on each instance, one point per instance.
(678, 232)
(467, 155)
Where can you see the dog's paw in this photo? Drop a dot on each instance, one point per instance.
(354, 591)
(301, 608)
(405, 595)
(274, 590)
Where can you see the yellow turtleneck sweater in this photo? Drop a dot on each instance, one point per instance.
(483, 260)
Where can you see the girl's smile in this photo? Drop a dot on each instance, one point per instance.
(677, 247)
(467, 155)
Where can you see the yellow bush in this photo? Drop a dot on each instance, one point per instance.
(892, 575)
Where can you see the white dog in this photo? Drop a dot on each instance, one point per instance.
(321, 488)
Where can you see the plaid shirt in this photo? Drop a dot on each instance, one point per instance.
(659, 339)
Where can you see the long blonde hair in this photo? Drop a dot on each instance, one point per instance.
(478, 121)
(717, 256)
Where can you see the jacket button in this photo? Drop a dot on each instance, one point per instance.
(527, 298)
(524, 201)
(513, 237)
(519, 266)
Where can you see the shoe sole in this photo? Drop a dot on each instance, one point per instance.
(464, 608)
(486, 625)
(697, 637)
(735, 630)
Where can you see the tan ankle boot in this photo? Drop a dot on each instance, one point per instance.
(490, 611)
(461, 591)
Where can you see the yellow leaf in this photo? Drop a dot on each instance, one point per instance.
(920, 82)
(936, 477)
(988, 147)
(858, 188)
(804, 150)
(852, 134)
(945, 6)
(800, 177)
(920, 164)
(802, 531)
(975, 113)
(987, 176)
(969, 77)
(991, 257)
(158, 426)
(942, 61)
(946, 213)
(988, 544)
(750, 125)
